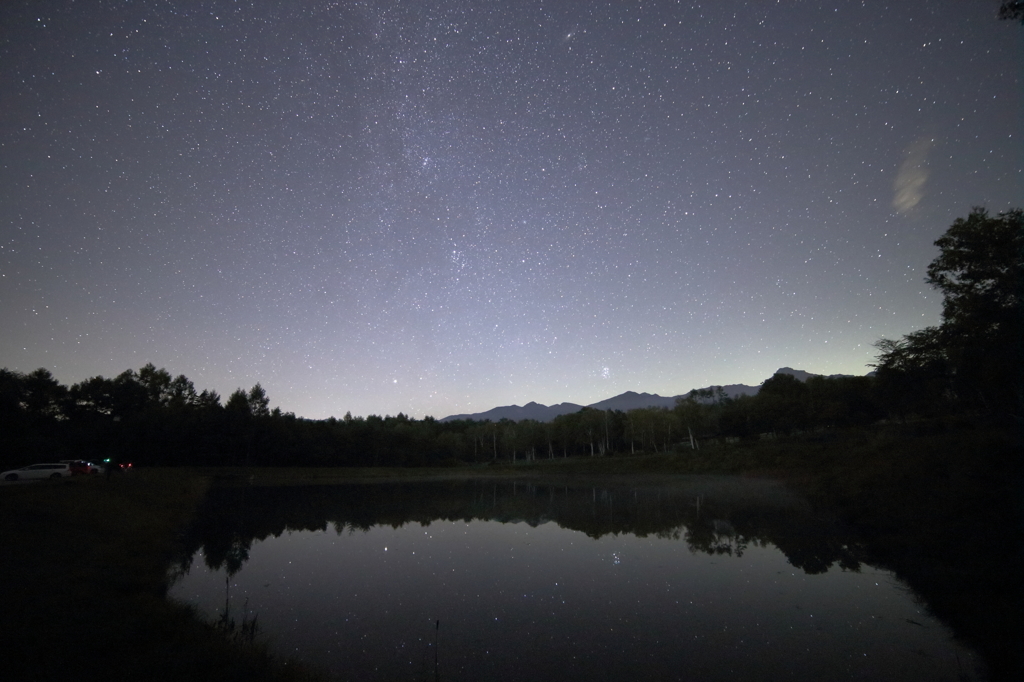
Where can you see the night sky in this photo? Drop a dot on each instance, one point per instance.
(439, 207)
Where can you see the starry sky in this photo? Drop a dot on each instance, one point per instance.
(438, 207)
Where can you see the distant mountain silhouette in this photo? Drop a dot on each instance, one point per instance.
(624, 401)
(531, 410)
(630, 400)
(804, 376)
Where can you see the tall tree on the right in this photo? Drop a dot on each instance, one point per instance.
(980, 272)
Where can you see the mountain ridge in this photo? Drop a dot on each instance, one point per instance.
(629, 400)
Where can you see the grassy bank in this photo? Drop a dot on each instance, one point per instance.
(84, 565)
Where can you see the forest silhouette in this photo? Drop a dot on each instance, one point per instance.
(970, 364)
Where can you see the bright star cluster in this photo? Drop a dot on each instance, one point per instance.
(442, 206)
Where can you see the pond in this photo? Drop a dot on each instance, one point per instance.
(704, 578)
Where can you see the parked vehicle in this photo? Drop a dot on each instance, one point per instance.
(79, 466)
(35, 471)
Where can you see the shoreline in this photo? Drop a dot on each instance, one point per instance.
(91, 554)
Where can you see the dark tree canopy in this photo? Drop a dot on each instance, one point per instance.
(974, 357)
(980, 270)
(1012, 10)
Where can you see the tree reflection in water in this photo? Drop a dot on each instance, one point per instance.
(716, 517)
(713, 515)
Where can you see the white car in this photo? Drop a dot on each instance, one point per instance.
(33, 471)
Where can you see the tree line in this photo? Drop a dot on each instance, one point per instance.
(150, 418)
(970, 363)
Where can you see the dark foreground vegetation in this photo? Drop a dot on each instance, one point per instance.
(85, 566)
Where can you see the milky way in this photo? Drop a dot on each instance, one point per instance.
(439, 207)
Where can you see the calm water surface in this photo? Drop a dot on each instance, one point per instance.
(710, 578)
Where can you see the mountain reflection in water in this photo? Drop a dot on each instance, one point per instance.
(706, 578)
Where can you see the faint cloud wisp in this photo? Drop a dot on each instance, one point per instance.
(912, 176)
